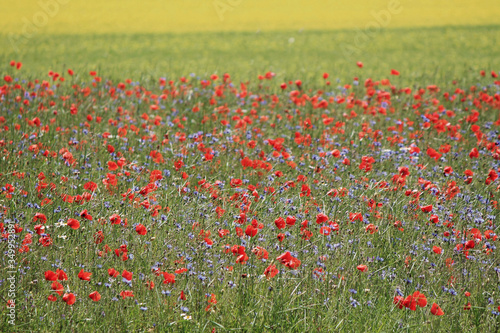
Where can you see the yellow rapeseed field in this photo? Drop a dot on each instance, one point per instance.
(159, 16)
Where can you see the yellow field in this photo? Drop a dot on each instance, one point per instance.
(156, 16)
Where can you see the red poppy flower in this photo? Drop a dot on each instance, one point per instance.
(260, 252)
(242, 256)
(52, 298)
(98, 237)
(410, 303)
(476, 233)
(61, 275)
(290, 220)
(236, 182)
(325, 230)
(73, 224)
(212, 301)
(251, 231)
(223, 232)
(426, 209)
(280, 223)
(436, 310)
(434, 218)
(86, 215)
(126, 293)
(288, 260)
(371, 228)
(113, 272)
(141, 230)
(127, 275)
(470, 244)
(112, 166)
(168, 278)
(95, 296)
(115, 219)
(490, 234)
(399, 301)
(362, 268)
(492, 176)
(39, 229)
(50, 276)
(57, 287)
(40, 217)
(45, 240)
(420, 299)
(84, 275)
(257, 225)
(271, 271)
(433, 153)
(91, 186)
(69, 298)
(321, 218)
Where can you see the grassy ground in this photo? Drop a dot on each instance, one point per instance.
(291, 38)
(438, 54)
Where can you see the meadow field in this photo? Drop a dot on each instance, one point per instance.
(232, 165)
(126, 39)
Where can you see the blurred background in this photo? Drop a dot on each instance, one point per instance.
(249, 37)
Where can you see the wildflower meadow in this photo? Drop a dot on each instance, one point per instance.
(269, 186)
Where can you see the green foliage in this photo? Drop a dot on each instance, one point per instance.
(440, 54)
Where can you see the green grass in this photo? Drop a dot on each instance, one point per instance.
(440, 53)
